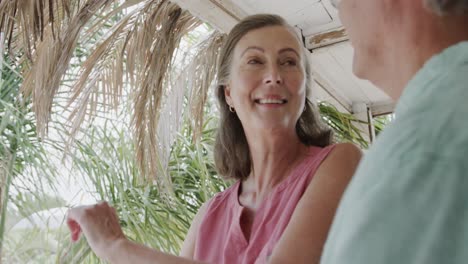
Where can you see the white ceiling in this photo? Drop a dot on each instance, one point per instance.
(331, 52)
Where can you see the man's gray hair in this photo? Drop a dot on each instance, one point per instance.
(448, 7)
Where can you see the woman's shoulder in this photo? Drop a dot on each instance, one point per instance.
(347, 149)
(341, 156)
(334, 152)
(332, 158)
(223, 197)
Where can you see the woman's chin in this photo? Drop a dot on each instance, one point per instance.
(273, 127)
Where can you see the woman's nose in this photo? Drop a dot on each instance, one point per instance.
(273, 75)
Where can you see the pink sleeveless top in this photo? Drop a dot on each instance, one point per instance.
(220, 239)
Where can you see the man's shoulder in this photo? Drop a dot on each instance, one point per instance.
(436, 120)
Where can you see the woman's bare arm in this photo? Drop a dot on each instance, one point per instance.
(306, 233)
(100, 225)
(126, 251)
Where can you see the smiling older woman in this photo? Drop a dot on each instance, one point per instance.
(290, 177)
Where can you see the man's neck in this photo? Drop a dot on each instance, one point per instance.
(413, 53)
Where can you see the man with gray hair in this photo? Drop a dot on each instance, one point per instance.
(408, 201)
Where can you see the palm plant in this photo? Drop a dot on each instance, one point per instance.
(137, 50)
(148, 215)
(343, 124)
(21, 152)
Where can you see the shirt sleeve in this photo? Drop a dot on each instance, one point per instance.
(416, 213)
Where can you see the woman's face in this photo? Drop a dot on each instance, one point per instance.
(267, 80)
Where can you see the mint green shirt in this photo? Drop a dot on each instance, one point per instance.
(408, 201)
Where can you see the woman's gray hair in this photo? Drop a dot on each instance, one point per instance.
(231, 151)
(448, 7)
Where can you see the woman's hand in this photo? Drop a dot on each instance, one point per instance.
(99, 224)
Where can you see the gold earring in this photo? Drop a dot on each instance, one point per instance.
(231, 109)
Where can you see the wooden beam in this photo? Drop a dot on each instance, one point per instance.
(382, 108)
(362, 112)
(230, 8)
(370, 117)
(326, 38)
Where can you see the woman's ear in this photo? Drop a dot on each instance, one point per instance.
(227, 95)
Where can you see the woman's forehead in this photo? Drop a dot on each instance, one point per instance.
(269, 38)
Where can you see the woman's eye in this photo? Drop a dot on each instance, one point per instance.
(254, 61)
(289, 62)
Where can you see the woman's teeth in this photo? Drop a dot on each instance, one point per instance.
(271, 101)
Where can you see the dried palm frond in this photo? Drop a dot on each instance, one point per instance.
(193, 83)
(46, 32)
(200, 75)
(138, 50)
(170, 24)
(101, 76)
